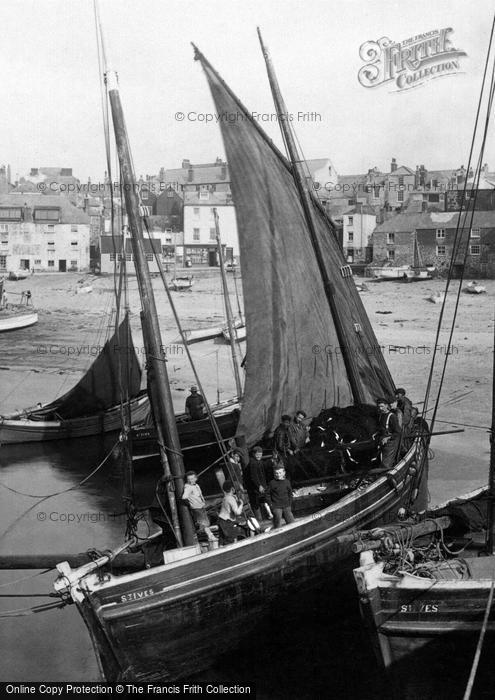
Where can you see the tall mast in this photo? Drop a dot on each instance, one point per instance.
(491, 477)
(228, 308)
(307, 205)
(160, 395)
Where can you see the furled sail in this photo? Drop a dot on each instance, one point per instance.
(294, 355)
(101, 387)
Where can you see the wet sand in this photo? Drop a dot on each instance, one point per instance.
(44, 361)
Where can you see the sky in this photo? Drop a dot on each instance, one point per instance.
(51, 111)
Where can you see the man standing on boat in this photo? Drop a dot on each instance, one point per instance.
(282, 438)
(195, 405)
(257, 485)
(389, 433)
(408, 411)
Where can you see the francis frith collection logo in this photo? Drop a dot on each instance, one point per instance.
(411, 62)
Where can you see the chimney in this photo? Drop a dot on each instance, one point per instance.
(185, 164)
(218, 161)
(393, 165)
(416, 178)
(190, 174)
(223, 171)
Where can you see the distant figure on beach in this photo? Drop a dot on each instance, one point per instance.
(195, 404)
(5, 299)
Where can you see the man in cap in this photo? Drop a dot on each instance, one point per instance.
(389, 433)
(195, 404)
(257, 486)
(409, 413)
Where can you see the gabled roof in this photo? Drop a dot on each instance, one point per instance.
(401, 170)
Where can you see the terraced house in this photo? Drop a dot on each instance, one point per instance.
(435, 232)
(42, 233)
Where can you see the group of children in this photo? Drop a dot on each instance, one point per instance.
(275, 496)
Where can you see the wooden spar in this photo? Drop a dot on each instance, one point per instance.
(427, 527)
(121, 562)
(239, 310)
(160, 396)
(306, 202)
(491, 474)
(228, 308)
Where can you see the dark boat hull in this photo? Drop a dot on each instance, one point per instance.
(424, 632)
(162, 623)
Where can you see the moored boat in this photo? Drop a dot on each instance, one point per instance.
(390, 272)
(158, 623)
(180, 284)
(16, 317)
(475, 288)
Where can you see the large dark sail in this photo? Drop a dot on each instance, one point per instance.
(294, 357)
(101, 387)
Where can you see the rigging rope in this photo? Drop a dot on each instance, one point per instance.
(479, 646)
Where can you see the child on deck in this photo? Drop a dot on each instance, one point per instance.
(194, 497)
(280, 491)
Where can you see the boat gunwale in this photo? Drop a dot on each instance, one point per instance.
(334, 530)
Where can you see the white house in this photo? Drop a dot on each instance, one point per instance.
(200, 244)
(357, 226)
(42, 232)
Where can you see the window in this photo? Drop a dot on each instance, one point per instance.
(73, 263)
(391, 254)
(4, 228)
(74, 243)
(170, 193)
(6, 213)
(475, 233)
(204, 195)
(3, 262)
(51, 243)
(390, 238)
(144, 195)
(128, 257)
(196, 234)
(73, 228)
(440, 233)
(400, 196)
(37, 262)
(401, 181)
(149, 257)
(351, 220)
(196, 211)
(475, 249)
(47, 214)
(112, 257)
(49, 228)
(350, 235)
(51, 263)
(441, 251)
(213, 234)
(5, 242)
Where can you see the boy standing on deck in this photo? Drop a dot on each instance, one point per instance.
(280, 492)
(194, 496)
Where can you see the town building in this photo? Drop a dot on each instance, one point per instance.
(42, 233)
(435, 232)
(200, 244)
(358, 225)
(162, 243)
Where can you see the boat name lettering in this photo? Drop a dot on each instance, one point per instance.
(136, 595)
(423, 608)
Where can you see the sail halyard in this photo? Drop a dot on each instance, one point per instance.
(304, 195)
(228, 309)
(160, 394)
(294, 354)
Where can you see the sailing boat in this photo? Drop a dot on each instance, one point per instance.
(418, 271)
(15, 316)
(300, 295)
(91, 407)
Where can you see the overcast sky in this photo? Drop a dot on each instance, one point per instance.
(51, 113)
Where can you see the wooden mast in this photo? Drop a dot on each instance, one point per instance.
(491, 476)
(228, 308)
(307, 205)
(159, 388)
